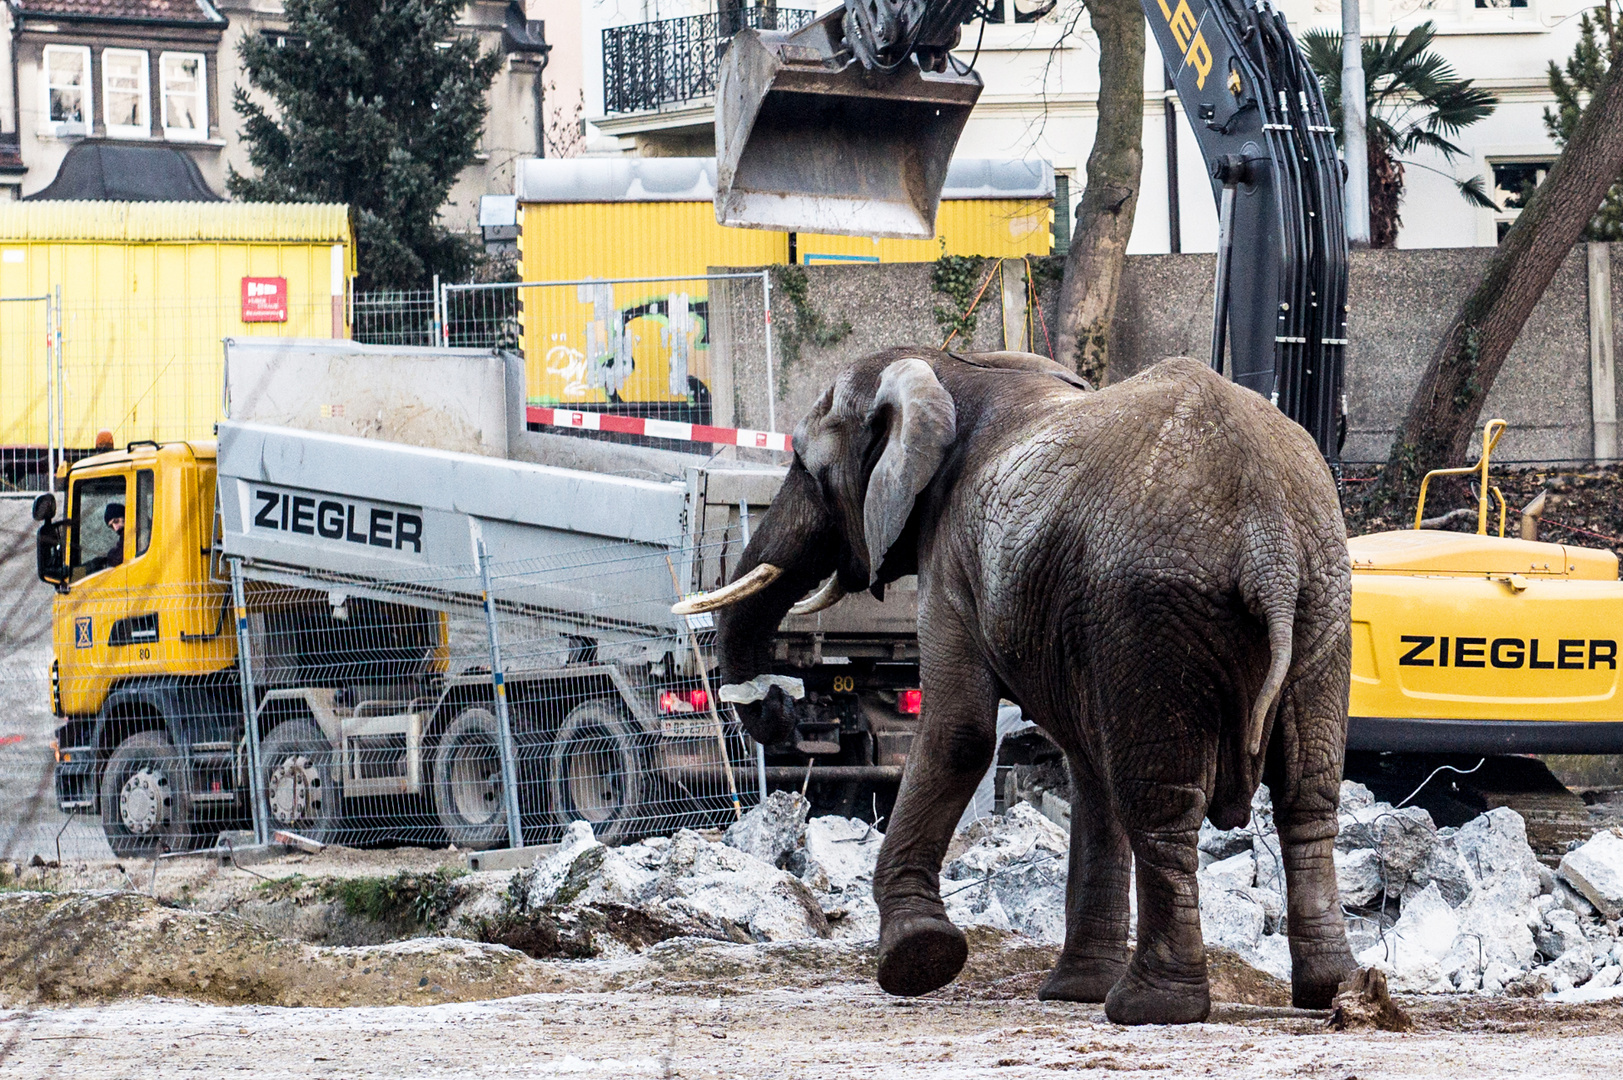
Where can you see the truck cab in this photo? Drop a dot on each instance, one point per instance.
(144, 655)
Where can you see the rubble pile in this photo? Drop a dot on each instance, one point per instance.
(1434, 910)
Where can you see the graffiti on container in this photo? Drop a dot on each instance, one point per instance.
(625, 348)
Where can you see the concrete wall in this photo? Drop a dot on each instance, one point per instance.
(1400, 302)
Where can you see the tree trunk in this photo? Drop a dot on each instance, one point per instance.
(1385, 194)
(1443, 413)
(1087, 300)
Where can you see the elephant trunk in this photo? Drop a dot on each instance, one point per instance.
(795, 536)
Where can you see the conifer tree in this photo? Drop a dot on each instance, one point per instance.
(1600, 43)
(374, 103)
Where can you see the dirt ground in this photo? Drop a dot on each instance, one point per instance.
(838, 1030)
(106, 982)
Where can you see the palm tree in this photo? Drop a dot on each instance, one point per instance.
(1414, 102)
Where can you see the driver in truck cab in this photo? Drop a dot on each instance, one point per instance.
(114, 555)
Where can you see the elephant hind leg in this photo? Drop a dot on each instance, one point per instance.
(1096, 909)
(1165, 983)
(1306, 781)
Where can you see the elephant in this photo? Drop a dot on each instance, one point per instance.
(1156, 572)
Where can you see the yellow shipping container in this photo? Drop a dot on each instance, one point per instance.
(583, 219)
(148, 291)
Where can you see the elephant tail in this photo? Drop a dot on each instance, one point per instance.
(1273, 585)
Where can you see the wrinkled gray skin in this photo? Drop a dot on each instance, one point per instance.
(1128, 565)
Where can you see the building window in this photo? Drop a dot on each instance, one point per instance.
(185, 95)
(1501, 3)
(124, 88)
(1513, 184)
(67, 89)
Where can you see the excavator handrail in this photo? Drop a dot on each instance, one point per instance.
(1491, 432)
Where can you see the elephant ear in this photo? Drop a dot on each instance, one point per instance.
(918, 421)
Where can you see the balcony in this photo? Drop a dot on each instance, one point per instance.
(672, 63)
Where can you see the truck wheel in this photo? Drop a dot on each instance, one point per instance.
(303, 788)
(145, 797)
(468, 797)
(595, 771)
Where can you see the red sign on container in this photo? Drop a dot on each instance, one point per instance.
(264, 299)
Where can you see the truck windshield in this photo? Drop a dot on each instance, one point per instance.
(98, 524)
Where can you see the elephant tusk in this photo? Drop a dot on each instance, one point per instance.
(746, 586)
(827, 595)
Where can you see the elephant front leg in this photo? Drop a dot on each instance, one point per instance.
(1166, 981)
(919, 948)
(1096, 909)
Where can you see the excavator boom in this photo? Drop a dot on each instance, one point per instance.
(847, 126)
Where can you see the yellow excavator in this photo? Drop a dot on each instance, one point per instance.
(1462, 644)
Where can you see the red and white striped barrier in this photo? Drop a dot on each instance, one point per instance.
(658, 429)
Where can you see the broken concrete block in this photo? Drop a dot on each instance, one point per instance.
(1403, 838)
(1358, 876)
(1355, 796)
(1231, 919)
(1445, 866)
(714, 883)
(1494, 846)
(1494, 927)
(1412, 949)
(1574, 966)
(773, 830)
(1605, 977)
(1560, 934)
(1596, 870)
(838, 856)
(1023, 858)
(1223, 843)
(1234, 872)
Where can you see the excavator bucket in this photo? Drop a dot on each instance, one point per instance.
(807, 140)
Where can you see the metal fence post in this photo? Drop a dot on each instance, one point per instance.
(50, 395)
(61, 386)
(771, 379)
(760, 749)
(250, 719)
(504, 725)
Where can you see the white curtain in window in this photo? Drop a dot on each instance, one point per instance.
(124, 89)
(185, 102)
(67, 82)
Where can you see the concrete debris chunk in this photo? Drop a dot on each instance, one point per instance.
(1595, 869)
(1021, 860)
(1412, 950)
(1404, 839)
(773, 830)
(1358, 876)
(1445, 866)
(1495, 849)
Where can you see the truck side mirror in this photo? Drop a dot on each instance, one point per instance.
(49, 555)
(45, 507)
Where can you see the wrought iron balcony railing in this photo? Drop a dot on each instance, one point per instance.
(654, 65)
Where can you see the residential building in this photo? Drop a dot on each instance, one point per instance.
(161, 74)
(650, 85)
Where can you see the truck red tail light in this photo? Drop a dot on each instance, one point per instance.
(909, 702)
(683, 701)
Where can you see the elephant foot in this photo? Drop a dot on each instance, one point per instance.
(920, 954)
(1315, 978)
(1134, 1001)
(1082, 978)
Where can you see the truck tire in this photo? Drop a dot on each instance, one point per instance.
(302, 783)
(146, 798)
(595, 771)
(468, 796)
